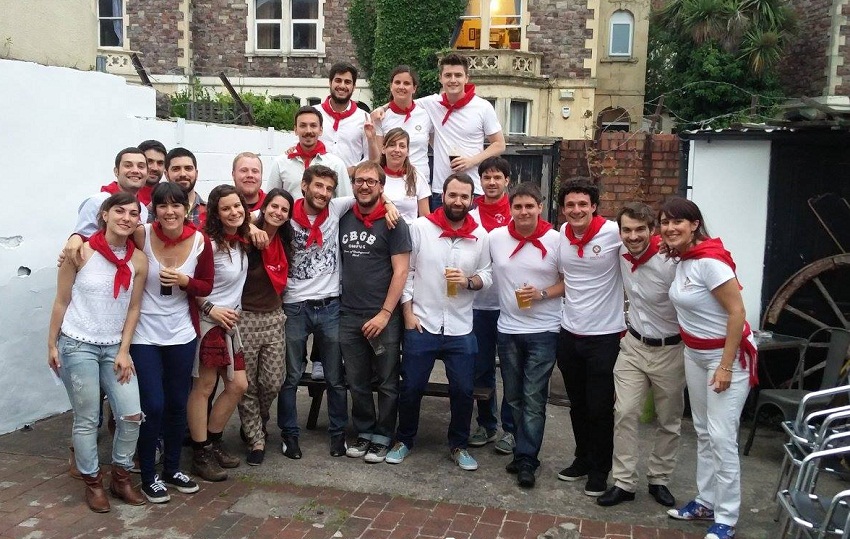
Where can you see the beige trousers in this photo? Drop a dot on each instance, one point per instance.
(639, 366)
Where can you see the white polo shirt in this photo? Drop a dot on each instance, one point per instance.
(419, 128)
(651, 312)
(466, 129)
(426, 281)
(527, 266)
(593, 302)
(286, 173)
(349, 141)
(87, 214)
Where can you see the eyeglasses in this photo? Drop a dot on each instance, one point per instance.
(368, 181)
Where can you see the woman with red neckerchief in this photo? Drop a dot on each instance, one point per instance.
(720, 361)
(405, 186)
(163, 349)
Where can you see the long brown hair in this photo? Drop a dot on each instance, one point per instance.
(214, 228)
(407, 167)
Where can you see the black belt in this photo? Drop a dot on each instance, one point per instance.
(675, 339)
(324, 302)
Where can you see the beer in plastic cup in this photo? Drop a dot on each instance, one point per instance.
(451, 288)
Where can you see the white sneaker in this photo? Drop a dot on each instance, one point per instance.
(318, 372)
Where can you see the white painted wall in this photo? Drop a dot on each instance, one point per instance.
(729, 182)
(60, 130)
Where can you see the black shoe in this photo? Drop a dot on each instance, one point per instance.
(573, 472)
(255, 457)
(615, 495)
(290, 447)
(512, 467)
(662, 495)
(338, 447)
(182, 482)
(525, 477)
(596, 484)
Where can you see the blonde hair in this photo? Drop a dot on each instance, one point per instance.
(250, 155)
(407, 167)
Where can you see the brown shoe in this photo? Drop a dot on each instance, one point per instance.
(73, 471)
(95, 495)
(205, 465)
(224, 459)
(122, 488)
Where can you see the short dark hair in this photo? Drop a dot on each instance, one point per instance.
(179, 152)
(343, 67)
(321, 171)
(462, 178)
(499, 163)
(638, 211)
(399, 69)
(308, 109)
(117, 199)
(371, 165)
(526, 189)
(167, 193)
(682, 208)
(125, 151)
(580, 184)
(153, 145)
(453, 59)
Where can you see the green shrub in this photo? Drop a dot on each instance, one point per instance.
(267, 111)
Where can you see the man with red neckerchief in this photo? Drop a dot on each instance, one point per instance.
(591, 324)
(288, 169)
(247, 176)
(181, 167)
(154, 152)
(492, 211)
(651, 354)
(348, 132)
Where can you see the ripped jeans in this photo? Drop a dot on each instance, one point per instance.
(85, 368)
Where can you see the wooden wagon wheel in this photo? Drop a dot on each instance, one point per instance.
(818, 295)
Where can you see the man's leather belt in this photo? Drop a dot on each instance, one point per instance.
(674, 339)
(321, 302)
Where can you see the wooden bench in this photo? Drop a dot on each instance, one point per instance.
(316, 390)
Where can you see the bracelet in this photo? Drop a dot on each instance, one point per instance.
(207, 307)
(389, 312)
(727, 369)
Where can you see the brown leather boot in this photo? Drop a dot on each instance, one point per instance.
(122, 488)
(205, 466)
(95, 495)
(73, 471)
(225, 459)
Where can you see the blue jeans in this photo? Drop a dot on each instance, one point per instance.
(484, 328)
(420, 352)
(362, 365)
(85, 369)
(165, 379)
(322, 321)
(527, 361)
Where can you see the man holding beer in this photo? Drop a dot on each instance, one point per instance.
(529, 286)
(450, 259)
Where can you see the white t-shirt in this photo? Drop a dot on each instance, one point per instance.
(485, 300)
(593, 302)
(527, 266)
(88, 212)
(650, 311)
(466, 130)
(349, 142)
(231, 269)
(419, 128)
(408, 206)
(286, 173)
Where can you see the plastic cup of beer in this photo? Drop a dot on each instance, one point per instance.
(520, 302)
(451, 288)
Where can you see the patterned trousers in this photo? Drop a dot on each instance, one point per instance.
(263, 342)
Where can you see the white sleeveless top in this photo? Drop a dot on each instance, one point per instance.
(165, 320)
(94, 316)
(231, 269)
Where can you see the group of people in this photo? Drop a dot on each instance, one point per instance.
(161, 295)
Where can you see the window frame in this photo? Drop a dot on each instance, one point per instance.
(621, 17)
(122, 37)
(526, 119)
(286, 24)
(485, 21)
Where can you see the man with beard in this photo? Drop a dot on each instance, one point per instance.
(370, 320)
(350, 133)
(154, 152)
(247, 176)
(449, 261)
(181, 168)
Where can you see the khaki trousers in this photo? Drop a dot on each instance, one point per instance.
(639, 366)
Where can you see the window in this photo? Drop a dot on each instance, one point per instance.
(505, 24)
(491, 100)
(314, 101)
(614, 119)
(498, 21)
(620, 35)
(110, 20)
(518, 117)
(286, 26)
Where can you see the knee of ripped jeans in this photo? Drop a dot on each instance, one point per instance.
(134, 418)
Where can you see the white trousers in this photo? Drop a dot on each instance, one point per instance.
(717, 417)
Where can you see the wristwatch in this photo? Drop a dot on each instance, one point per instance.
(469, 283)
(544, 294)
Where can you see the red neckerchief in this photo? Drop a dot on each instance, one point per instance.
(235, 238)
(711, 248)
(394, 173)
(338, 116)
(145, 193)
(379, 212)
(468, 94)
(438, 217)
(112, 188)
(493, 215)
(746, 349)
(398, 110)
(534, 239)
(299, 215)
(122, 273)
(259, 202)
(188, 230)
(308, 155)
(651, 251)
(594, 227)
(277, 267)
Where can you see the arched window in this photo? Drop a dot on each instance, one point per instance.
(614, 119)
(620, 34)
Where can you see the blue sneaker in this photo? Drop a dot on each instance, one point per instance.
(463, 459)
(720, 531)
(397, 453)
(692, 511)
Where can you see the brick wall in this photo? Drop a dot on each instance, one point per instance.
(560, 35)
(844, 50)
(153, 31)
(628, 166)
(803, 71)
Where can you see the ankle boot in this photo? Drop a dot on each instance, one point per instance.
(205, 466)
(73, 471)
(224, 459)
(95, 495)
(122, 488)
